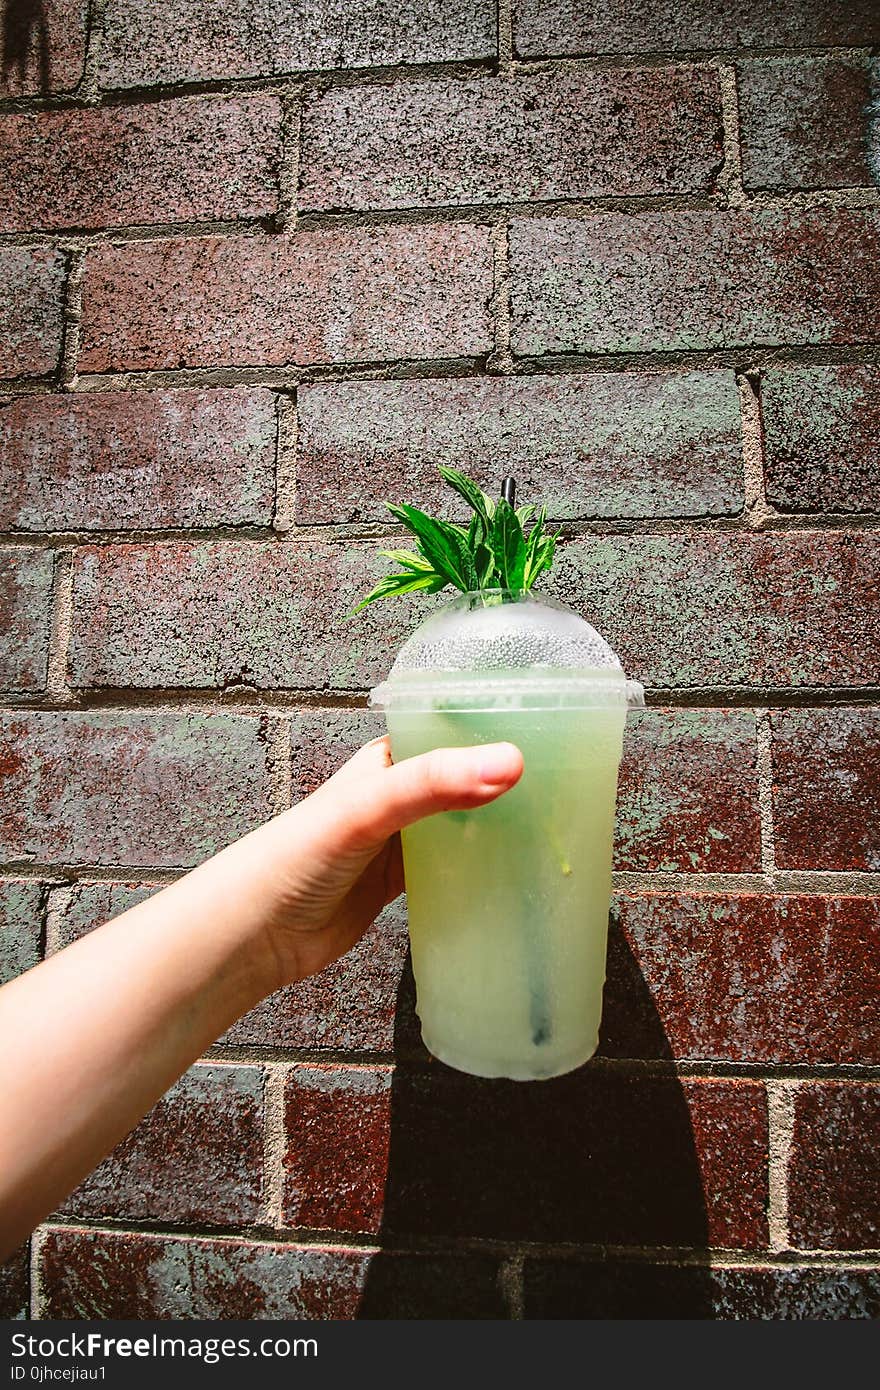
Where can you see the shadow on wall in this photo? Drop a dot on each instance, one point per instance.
(602, 1157)
(25, 32)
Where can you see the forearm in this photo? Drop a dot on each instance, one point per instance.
(96, 1034)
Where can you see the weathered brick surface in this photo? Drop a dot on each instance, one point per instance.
(25, 617)
(696, 610)
(822, 438)
(218, 613)
(618, 26)
(797, 609)
(560, 1161)
(806, 122)
(687, 796)
(744, 978)
(337, 1122)
(617, 1289)
(116, 166)
(131, 459)
(15, 1285)
(826, 788)
(128, 787)
(31, 287)
(42, 57)
(108, 1274)
(359, 294)
(658, 281)
(21, 912)
(145, 44)
(625, 445)
(196, 1157)
(562, 135)
(834, 1167)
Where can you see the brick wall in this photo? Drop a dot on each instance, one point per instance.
(257, 273)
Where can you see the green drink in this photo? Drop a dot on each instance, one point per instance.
(508, 904)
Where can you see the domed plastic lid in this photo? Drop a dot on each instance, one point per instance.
(495, 649)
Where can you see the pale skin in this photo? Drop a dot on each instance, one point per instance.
(100, 1030)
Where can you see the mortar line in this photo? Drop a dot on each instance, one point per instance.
(780, 1112)
(388, 74)
(71, 317)
(272, 1207)
(57, 684)
(288, 173)
(89, 87)
(476, 214)
(731, 178)
(786, 883)
(759, 514)
(35, 1281)
(764, 771)
(511, 1282)
(58, 901)
(287, 376)
(500, 359)
(504, 22)
(252, 702)
(415, 1244)
(276, 727)
(286, 445)
(333, 533)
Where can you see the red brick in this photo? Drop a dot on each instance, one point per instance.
(15, 1285)
(110, 1274)
(561, 135)
(688, 794)
(563, 1161)
(834, 1167)
(744, 978)
(725, 609)
(117, 166)
(128, 787)
(664, 281)
(220, 613)
(822, 438)
(197, 1157)
(826, 788)
(357, 294)
(618, 26)
(623, 445)
(31, 288)
(25, 617)
(21, 919)
(805, 122)
(634, 1289)
(135, 460)
(337, 1122)
(146, 44)
(42, 58)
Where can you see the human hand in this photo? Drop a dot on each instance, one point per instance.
(330, 864)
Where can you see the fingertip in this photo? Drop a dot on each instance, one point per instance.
(499, 765)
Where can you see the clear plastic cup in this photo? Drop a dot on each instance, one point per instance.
(508, 903)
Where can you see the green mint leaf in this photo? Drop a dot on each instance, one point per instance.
(475, 497)
(409, 559)
(509, 545)
(444, 545)
(394, 584)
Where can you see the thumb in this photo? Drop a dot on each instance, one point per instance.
(446, 779)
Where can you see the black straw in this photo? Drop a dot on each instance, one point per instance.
(508, 491)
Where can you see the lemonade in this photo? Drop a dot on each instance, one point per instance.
(508, 904)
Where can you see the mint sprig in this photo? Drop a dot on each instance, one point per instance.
(492, 552)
